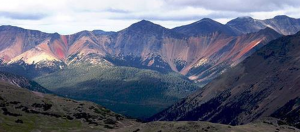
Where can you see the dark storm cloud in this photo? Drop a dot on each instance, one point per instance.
(22, 16)
(237, 5)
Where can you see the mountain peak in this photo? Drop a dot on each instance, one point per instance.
(17, 29)
(208, 20)
(145, 26)
(240, 20)
(280, 17)
(9, 27)
(244, 17)
(144, 23)
(268, 30)
(204, 26)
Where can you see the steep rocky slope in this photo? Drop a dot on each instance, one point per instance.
(15, 41)
(265, 84)
(224, 53)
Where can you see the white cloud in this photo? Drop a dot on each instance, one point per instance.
(70, 16)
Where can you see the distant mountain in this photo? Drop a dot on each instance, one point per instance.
(245, 25)
(204, 26)
(143, 45)
(33, 53)
(15, 41)
(265, 84)
(282, 24)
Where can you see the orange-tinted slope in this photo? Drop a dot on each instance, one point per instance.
(34, 46)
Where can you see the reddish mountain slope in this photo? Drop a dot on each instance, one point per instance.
(52, 47)
(15, 41)
(226, 52)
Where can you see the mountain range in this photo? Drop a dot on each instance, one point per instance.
(199, 50)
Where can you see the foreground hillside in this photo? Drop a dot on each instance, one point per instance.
(24, 110)
(265, 125)
(134, 92)
(265, 84)
(27, 111)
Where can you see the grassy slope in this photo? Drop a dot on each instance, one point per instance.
(26, 111)
(130, 91)
(265, 125)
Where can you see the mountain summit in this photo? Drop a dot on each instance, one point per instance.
(204, 26)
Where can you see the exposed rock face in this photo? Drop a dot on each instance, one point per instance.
(15, 41)
(265, 84)
(225, 52)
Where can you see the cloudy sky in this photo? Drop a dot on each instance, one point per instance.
(70, 16)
